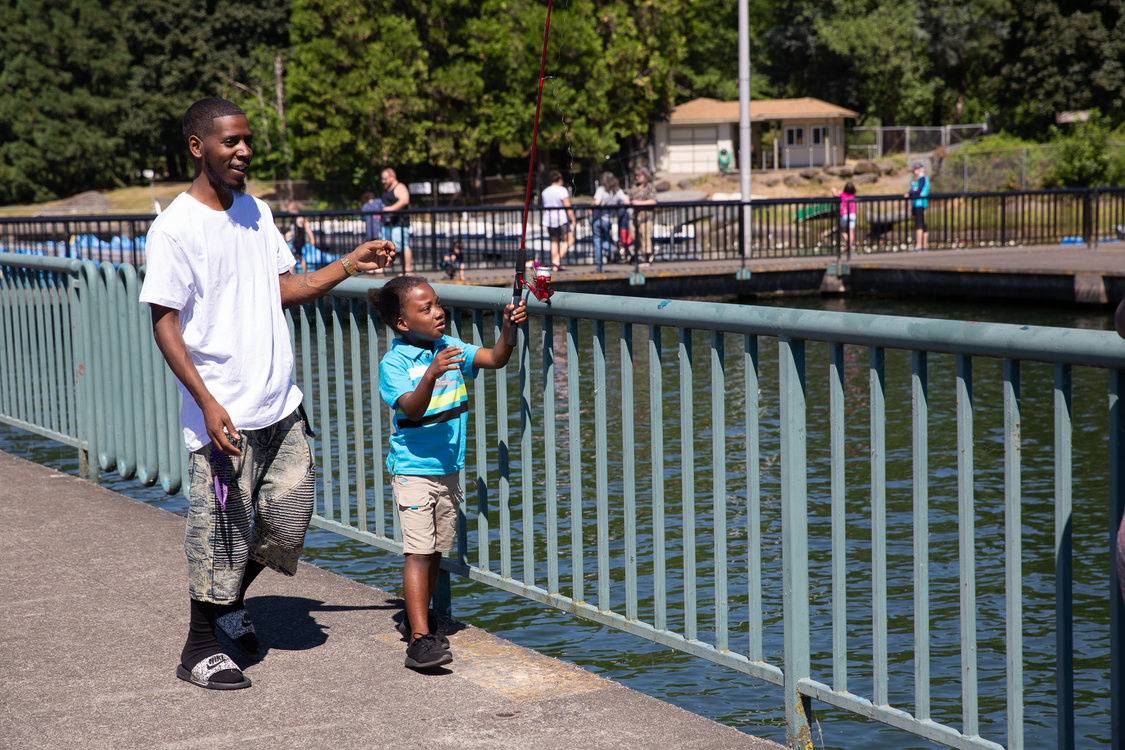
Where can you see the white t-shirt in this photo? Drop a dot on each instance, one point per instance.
(220, 269)
(553, 197)
(603, 197)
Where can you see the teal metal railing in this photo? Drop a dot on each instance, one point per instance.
(669, 469)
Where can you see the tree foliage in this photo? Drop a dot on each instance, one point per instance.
(91, 93)
(61, 99)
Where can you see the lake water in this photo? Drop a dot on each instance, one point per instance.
(730, 697)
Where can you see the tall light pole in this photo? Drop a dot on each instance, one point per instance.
(744, 135)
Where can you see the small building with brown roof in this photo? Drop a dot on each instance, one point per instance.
(701, 136)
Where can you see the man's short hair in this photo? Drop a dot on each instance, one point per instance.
(199, 117)
(555, 175)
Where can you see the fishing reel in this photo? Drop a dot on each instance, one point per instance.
(540, 285)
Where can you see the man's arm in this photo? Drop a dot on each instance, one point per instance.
(402, 198)
(169, 339)
(305, 287)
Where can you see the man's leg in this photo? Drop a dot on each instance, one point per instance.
(217, 544)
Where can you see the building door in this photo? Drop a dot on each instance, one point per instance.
(693, 149)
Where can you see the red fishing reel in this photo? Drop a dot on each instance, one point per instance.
(541, 283)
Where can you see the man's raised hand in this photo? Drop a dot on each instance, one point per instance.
(374, 255)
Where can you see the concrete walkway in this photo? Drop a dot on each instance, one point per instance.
(94, 612)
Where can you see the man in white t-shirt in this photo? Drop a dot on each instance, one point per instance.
(558, 218)
(217, 279)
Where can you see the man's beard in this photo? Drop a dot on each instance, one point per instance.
(214, 176)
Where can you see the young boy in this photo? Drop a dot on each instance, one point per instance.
(422, 378)
(453, 262)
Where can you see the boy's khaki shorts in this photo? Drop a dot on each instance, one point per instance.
(427, 511)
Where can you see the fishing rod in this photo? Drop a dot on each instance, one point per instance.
(542, 286)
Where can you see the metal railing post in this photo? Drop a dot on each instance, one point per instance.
(795, 543)
(1117, 541)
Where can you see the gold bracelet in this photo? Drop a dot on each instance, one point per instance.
(349, 266)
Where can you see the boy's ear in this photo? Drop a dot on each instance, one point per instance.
(400, 325)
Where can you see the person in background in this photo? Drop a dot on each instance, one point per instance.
(643, 193)
(422, 378)
(608, 198)
(299, 235)
(217, 283)
(919, 189)
(558, 218)
(453, 262)
(396, 226)
(847, 214)
(372, 220)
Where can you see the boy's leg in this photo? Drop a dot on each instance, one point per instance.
(419, 575)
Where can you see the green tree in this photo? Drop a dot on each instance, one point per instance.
(885, 43)
(1061, 61)
(965, 48)
(1083, 158)
(60, 104)
(183, 52)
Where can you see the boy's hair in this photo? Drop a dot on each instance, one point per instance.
(458, 245)
(554, 176)
(199, 116)
(387, 300)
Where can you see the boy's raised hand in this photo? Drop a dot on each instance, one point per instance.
(449, 358)
(517, 316)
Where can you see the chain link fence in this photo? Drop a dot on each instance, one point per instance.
(1020, 168)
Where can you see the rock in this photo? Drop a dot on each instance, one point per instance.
(808, 173)
(866, 166)
(771, 181)
(792, 180)
(887, 167)
(866, 178)
(663, 186)
(842, 171)
(685, 184)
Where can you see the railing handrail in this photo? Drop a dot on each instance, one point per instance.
(417, 210)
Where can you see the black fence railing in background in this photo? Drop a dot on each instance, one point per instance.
(704, 231)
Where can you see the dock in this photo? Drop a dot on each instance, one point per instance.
(1066, 274)
(95, 613)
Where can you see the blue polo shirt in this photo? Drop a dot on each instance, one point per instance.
(434, 444)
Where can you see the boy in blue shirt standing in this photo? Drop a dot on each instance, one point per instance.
(422, 378)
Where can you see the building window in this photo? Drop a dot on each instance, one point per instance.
(794, 136)
(818, 136)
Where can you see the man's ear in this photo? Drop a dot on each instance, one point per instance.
(195, 146)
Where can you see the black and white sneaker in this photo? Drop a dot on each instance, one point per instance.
(426, 652)
(403, 628)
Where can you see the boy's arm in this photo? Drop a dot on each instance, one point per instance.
(501, 351)
(170, 341)
(415, 403)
